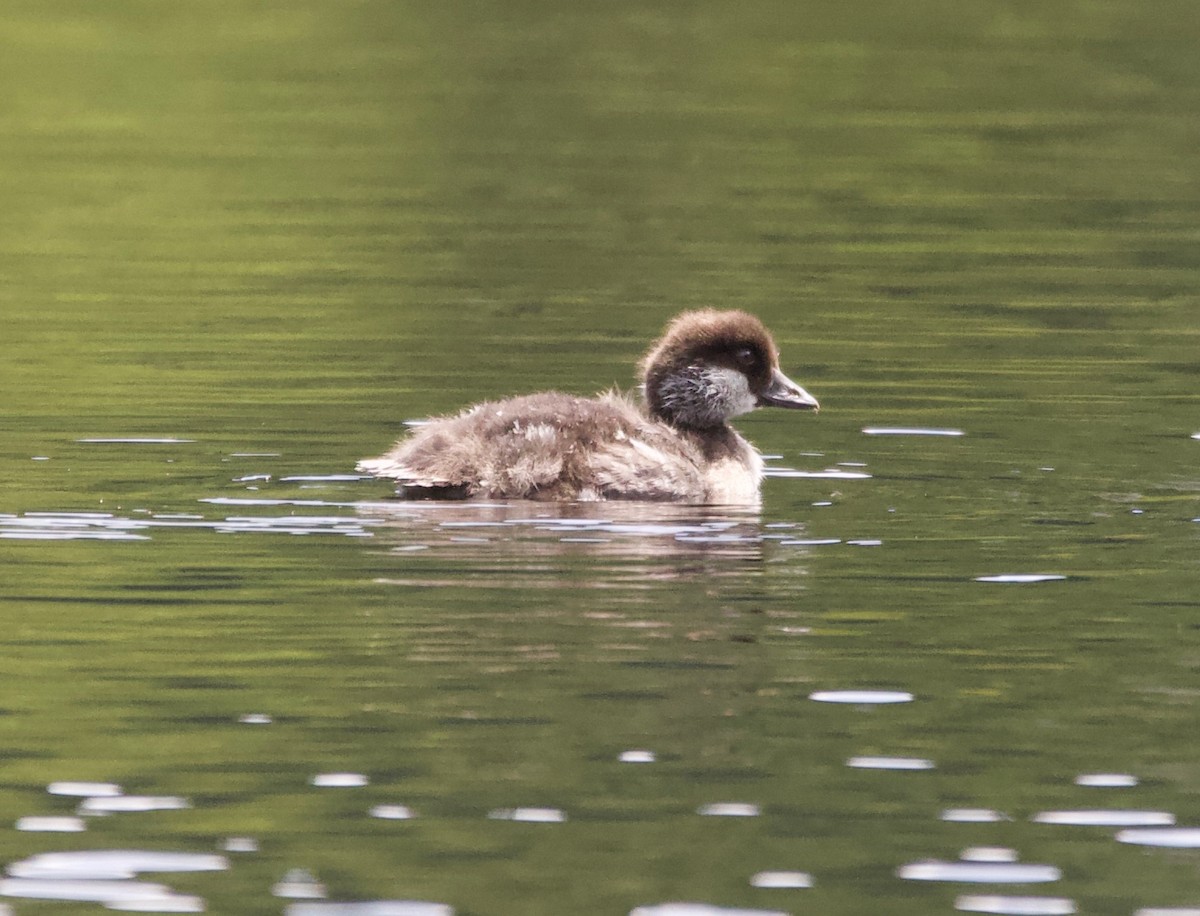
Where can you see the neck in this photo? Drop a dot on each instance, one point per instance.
(699, 397)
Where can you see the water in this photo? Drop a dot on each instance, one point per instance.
(243, 244)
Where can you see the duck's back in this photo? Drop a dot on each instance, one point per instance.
(547, 446)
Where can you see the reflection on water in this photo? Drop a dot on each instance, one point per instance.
(890, 763)
(138, 896)
(1017, 578)
(638, 756)
(240, 247)
(971, 871)
(133, 803)
(973, 816)
(1014, 906)
(370, 908)
(1170, 837)
(299, 884)
(76, 526)
(1109, 817)
(114, 864)
(909, 431)
(708, 619)
(528, 815)
(699, 909)
(1107, 780)
(51, 824)
(790, 880)
(862, 697)
(339, 780)
(729, 809)
(593, 545)
(108, 877)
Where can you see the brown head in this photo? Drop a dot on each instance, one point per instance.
(712, 365)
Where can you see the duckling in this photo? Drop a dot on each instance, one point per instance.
(707, 367)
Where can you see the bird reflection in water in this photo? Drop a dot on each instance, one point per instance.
(523, 544)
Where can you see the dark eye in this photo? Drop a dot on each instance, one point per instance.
(746, 357)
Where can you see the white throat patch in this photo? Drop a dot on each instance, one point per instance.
(704, 396)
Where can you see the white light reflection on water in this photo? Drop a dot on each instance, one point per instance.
(861, 697)
(106, 892)
(60, 526)
(85, 789)
(613, 530)
(136, 440)
(370, 908)
(637, 756)
(1106, 780)
(782, 880)
(1018, 578)
(632, 545)
(979, 872)
(299, 883)
(988, 854)
(973, 816)
(890, 763)
(114, 864)
(1170, 837)
(827, 474)
(264, 501)
(1168, 911)
(910, 431)
(127, 803)
(107, 876)
(321, 478)
(51, 824)
(1015, 906)
(339, 780)
(393, 812)
(1103, 818)
(529, 815)
(698, 909)
(171, 903)
(729, 809)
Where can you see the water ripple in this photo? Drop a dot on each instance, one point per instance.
(1105, 818)
(1170, 837)
(889, 763)
(979, 872)
(1019, 578)
(910, 431)
(782, 879)
(1015, 906)
(113, 864)
(698, 909)
(1106, 780)
(861, 697)
(370, 908)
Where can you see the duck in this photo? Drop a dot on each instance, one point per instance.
(674, 445)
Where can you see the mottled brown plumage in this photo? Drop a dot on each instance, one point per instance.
(707, 367)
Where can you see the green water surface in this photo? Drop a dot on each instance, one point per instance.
(270, 233)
